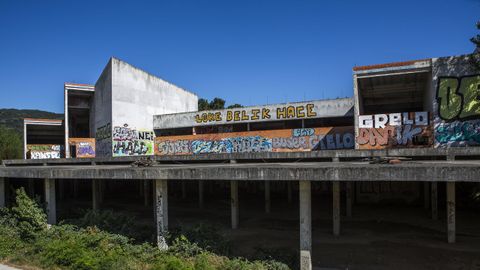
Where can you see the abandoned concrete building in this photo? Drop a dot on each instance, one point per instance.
(407, 137)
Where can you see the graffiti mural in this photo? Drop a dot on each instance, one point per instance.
(127, 141)
(285, 140)
(84, 147)
(43, 151)
(458, 104)
(394, 130)
(103, 144)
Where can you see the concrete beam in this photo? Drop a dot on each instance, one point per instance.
(336, 208)
(200, 194)
(349, 198)
(267, 197)
(434, 200)
(451, 233)
(161, 206)
(2, 192)
(50, 201)
(234, 203)
(305, 194)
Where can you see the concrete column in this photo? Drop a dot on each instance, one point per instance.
(161, 206)
(95, 197)
(200, 193)
(267, 197)
(50, 201)
(451, 212)
(184, 189)
(146, 192)
(434, 200)
(289, 191)
(426, 195)
(2, 192)
(336, 208)
(234, 203)
(305, 192)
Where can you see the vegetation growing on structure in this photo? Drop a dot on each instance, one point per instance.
(25, 239)
(476, 41)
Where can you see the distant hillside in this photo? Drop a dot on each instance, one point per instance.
(13, 118)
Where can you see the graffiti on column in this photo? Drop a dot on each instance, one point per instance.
(84, 147)
(43, 151)
(103, 136)
(394, 130)
(286, 140)
(127, 141)
(458, 103)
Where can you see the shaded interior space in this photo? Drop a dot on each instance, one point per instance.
(401, 92)
(386, 232)
(45, 133)
(79, 113)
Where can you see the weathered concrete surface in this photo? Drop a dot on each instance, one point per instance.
(324, 154)
(234, 203)
(459, 171)
(451, 230)
(161, 206)
(50, 201)
(305, 198)
(321, 108)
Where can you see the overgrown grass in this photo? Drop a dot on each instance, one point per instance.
(25, 239)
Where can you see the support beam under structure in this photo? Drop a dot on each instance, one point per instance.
(95, 195)
(336, 208)
(349, 198)
(234, 203)
(305, 195)
(434, 200)
(2, 192)
(267, 197)
(451, 212)
(50, 201)
(426, 195)
(200, 194)
(161, 206)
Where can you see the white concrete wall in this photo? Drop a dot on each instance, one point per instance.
(102, 109)
(137, 96)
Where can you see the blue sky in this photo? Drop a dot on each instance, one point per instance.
(245, 51)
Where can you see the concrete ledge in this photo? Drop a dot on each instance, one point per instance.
(438, 171)
(324, 154)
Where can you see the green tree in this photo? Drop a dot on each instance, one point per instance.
(475, 59)
(217, 104)
(203, 104)
(10, 144)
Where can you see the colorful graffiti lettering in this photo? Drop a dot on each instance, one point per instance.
(458, 97)
(43, 151)
(287, 140)
(85, 149)
(458, 133)
(394, 130)
(130, 142)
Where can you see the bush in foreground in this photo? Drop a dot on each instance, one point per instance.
(25, 239)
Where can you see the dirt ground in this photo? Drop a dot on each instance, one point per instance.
(376, 236)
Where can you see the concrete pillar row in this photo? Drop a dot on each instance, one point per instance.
(434, 200)
(50, 201)
(451, 230)
(267, 197)
(336, 207)
(3, 192)
(234, 203)
(161, 209)
(305, 198)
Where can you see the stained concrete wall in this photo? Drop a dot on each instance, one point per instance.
(126, 98)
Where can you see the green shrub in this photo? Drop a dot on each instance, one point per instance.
(29, 218)
(205, 236)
